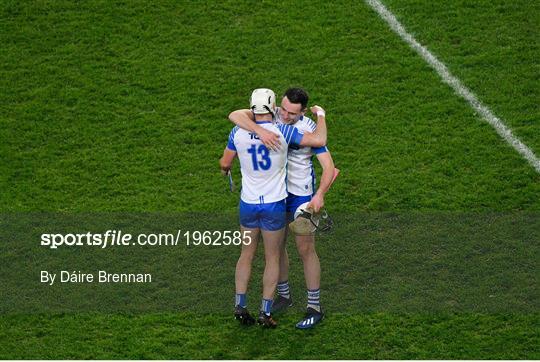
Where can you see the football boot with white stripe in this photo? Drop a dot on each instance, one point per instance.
(312, 318)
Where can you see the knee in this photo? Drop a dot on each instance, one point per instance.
(306, 250)
(272, 258)
(246, 257)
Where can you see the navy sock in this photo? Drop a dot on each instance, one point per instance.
(241, 300)
(266, 306)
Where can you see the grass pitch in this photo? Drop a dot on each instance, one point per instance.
(122, 107)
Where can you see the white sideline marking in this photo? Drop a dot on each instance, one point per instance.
(456, 84)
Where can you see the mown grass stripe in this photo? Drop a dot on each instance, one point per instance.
(504, 131)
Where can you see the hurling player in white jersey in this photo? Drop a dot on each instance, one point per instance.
(262, 201)
(301, 189)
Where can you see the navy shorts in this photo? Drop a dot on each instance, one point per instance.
(270, 216)
(293, 202)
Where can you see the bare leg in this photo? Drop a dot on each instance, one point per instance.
(243, 266)
(272, 245)
(312, 267)
(284, 260)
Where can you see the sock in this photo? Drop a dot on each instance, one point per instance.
(283, 289)
(266, 306)
(314, 299)
(241, 300)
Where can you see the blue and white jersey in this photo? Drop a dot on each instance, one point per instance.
(300, 172)
(263, 170)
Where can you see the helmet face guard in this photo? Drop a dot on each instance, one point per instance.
(306, 222)
(325, 222)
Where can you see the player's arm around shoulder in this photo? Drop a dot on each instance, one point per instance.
(245, 119)
(317, 138)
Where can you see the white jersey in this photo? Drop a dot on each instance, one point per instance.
(263, 171)
(300, 173)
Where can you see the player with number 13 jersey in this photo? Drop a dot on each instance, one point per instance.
(263, 171)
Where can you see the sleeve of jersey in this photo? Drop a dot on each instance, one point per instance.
(293, 137)
(230, 144)
(319, 150)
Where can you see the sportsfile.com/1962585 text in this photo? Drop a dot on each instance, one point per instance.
(119, 238)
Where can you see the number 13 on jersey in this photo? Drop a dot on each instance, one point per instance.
(260, 157)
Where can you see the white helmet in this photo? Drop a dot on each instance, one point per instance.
(263, 100)
(302, 224)
(306, 222)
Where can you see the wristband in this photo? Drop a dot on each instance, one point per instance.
(321, 114)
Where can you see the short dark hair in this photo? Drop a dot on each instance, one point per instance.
(297, 95)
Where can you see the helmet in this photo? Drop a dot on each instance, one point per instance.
(306, 222)
(263, 100)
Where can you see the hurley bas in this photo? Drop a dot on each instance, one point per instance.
(102, 277)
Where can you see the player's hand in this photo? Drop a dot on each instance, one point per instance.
(269, 139)
(317, 203)
(225, 171)
(316, 110)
